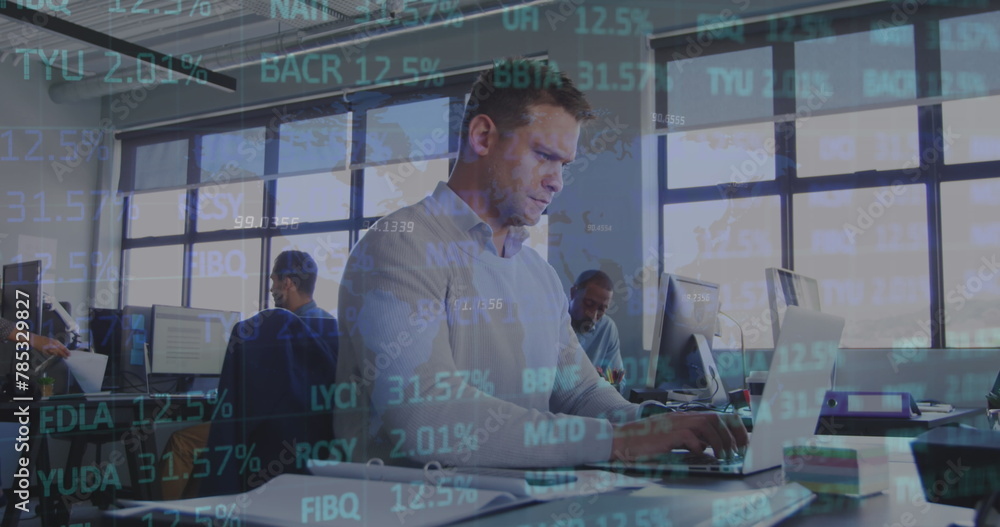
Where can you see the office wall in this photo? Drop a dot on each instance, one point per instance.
(51, 157)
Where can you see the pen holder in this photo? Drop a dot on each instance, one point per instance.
(614, 377)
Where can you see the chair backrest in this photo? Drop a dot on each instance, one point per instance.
(275, 361)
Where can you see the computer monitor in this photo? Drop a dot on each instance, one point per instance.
(188, 341)
(105, 327)
(786, 288)
(22, 291)
(681, 357)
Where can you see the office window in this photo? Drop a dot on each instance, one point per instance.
(734, 154)
(318, 144)
(971, 237)
(161, 165)
(853, 70)
(232, 156)
(264, 183)
(856, 105)
(314, 197)
(390, 187)
(226, 275)
(728, 242)
(719, 88)
(868, 250)
(970, 53)
(330, 250)
(411, 132)
(857, 141)
(230, 206)
(971, 130)
(157, 213)
(153, 276)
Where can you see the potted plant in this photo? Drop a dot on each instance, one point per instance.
(47, 383)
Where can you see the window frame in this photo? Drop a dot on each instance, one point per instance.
(786, 183)
(357, 104)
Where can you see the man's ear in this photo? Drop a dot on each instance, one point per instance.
(292, 284)
(483, 134)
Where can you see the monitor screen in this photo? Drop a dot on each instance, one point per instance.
(105, 326)
(26, 278)
(189, 341)
(688, 307)
(786, 288)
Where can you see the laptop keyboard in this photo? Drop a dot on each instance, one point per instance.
(690, 458)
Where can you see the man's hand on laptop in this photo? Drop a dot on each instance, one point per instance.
(693, 431)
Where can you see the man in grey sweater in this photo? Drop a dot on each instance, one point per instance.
(457, 335)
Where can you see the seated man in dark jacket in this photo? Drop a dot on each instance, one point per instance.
(279, 376)
(293, 280)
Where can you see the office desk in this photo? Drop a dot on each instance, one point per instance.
(99, 419)
(889, 426)
(903, 505)
(681, 500)
(893, 426)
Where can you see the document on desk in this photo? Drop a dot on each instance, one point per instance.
(88, 369)
(539, 485)
(293, 499)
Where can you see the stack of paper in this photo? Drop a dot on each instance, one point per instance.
(848, 471)
(293, 499)
(539, 485)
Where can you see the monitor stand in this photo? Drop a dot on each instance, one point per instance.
(710, 382)
(184, 383)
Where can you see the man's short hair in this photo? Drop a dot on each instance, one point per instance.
(595, 276)
(298, 266)
(505, 91)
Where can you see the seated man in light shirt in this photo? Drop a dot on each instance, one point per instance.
(457, 335)
(589, 299)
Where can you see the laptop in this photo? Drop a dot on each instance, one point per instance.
(797, 382)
